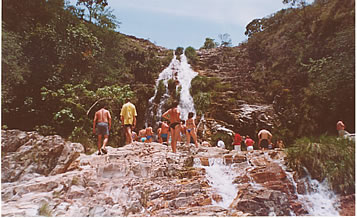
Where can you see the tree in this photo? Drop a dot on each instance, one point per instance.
(209, 43)
(226, 40)
(191, 55)
(94, 7)
(255, 26)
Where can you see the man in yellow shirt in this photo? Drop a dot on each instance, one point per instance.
(128, 119)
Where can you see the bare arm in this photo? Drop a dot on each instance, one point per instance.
(94, 122)
(109, 120)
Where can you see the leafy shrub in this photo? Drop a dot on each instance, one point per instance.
(191, 55)
(328, 158)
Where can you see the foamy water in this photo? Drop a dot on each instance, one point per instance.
(185, 76)
(182, 72)
(221, 178)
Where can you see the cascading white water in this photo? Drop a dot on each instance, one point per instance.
(178, 70)
(320, 200)
(221, 179)
(185, 76)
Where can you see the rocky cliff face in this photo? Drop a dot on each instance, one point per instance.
(43, 176)
(242, 105)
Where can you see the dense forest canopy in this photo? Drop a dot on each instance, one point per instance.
(58, 59)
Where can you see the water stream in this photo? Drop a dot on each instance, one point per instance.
(181, 72)
(319, 200)
(220, 177)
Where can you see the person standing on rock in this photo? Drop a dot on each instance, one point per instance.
(128, 119)
(249, 143)
(264, 137)
(191, 129)
(173, 115)
(102, 123)
(237, 142)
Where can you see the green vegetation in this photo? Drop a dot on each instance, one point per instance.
(203, 91)
(226, 138)
(328, 158)
(59, 59)
(209, 44)
(304, 62)
(191, 55)
(44, 210)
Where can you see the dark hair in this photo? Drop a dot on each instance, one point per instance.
(174, 104)
(190, 115)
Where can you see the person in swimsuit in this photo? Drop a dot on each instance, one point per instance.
(164, 133)
(128, 119)
(173, 115)
(191, 129)
(142, 135)
(149, 133)
(264, 137)
(102, 123)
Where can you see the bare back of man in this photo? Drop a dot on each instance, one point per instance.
(264, 138)
(101, 127)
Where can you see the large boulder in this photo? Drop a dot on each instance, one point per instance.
(28, 154)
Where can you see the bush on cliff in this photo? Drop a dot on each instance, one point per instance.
(325, 157)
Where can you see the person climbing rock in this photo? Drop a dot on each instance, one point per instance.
(191, 129)
(173, 115)
(249, 143)
(128, 119)
(101, 126)
(264, 137)
(237, 141)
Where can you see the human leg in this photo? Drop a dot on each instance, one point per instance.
(194, 136)
(128, 137)
(99, 143)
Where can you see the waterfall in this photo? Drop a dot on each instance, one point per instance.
(185, 76)
(319, 199)
(220, 177)
(179, 71)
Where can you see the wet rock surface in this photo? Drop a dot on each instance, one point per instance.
(139, 179)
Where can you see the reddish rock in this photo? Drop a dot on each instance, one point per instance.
(204, 161)
(347, 205)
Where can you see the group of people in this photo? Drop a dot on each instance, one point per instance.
(264, 141)
(172, 129)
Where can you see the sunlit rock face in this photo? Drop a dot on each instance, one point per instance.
(49, 176)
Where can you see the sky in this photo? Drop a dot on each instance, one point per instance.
(183, 23)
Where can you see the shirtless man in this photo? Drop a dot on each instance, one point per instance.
(191, 129)
(149, 134)
(164, 134)
(102, 123)
(264, 137)
(142, 135)
(173, 115)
